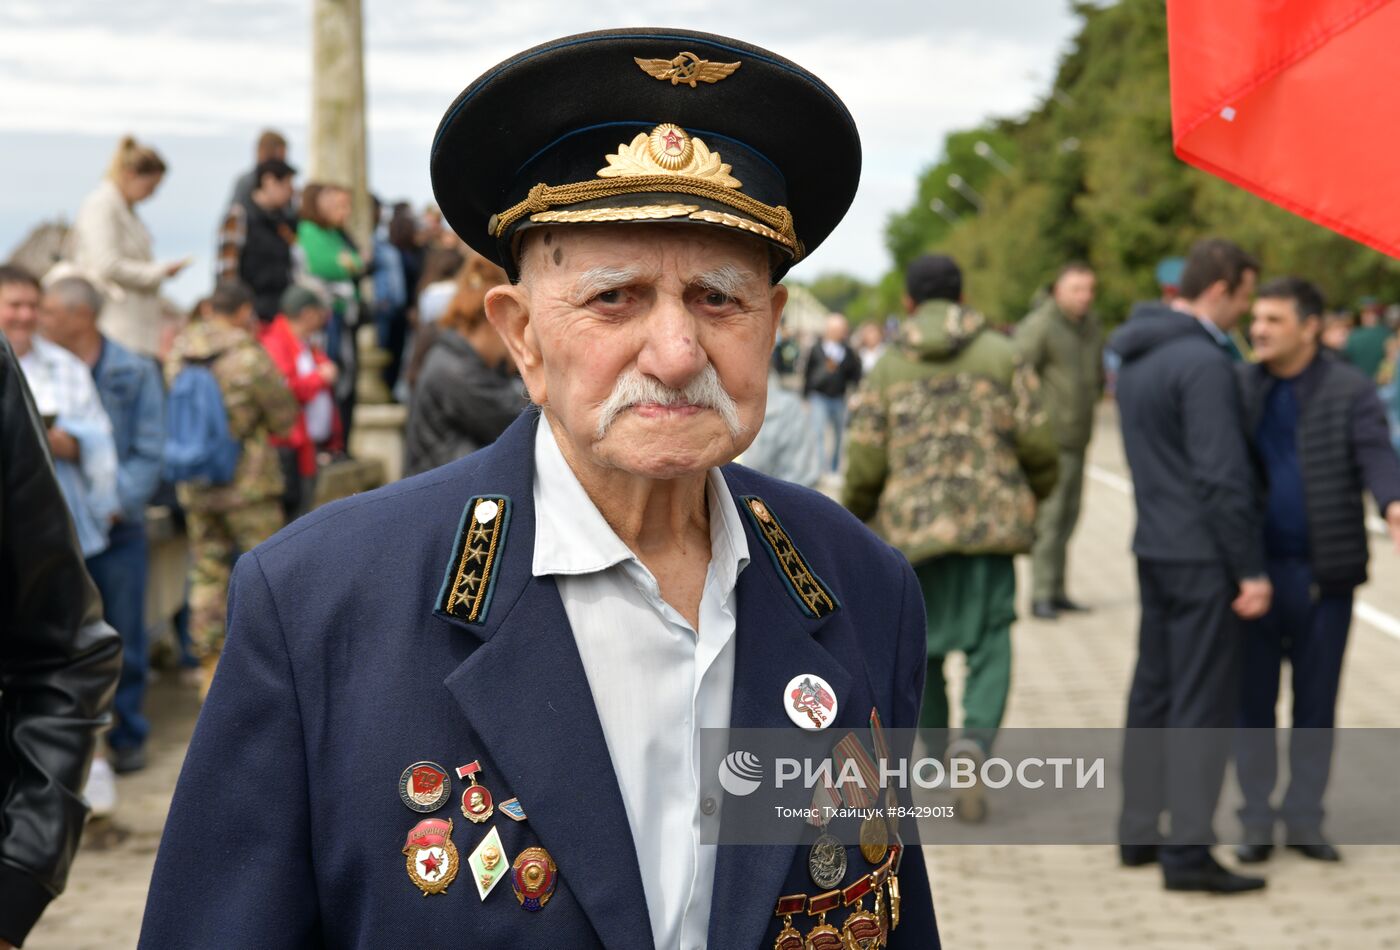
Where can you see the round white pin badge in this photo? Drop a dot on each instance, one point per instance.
(810, 701)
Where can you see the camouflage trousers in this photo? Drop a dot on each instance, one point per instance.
(216, 540)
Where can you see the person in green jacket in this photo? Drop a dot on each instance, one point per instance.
(330, 259)
(949, 451)
(1062, 340)
(1366, 345)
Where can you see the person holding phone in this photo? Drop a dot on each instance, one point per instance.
(110, 246)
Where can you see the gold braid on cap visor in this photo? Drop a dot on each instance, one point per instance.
(666, 161)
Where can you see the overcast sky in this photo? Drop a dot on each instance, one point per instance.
(200, 79)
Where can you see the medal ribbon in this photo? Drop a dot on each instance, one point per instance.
(882, 748)
(856, 796)
(877, 736)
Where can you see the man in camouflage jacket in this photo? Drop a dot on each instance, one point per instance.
(224, 521)
(950, 449)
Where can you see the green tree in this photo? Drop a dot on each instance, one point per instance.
(1093, 177)
(837, 291)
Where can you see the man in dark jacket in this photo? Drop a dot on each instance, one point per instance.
(255, 241)
(58, 662)
(833, 370)
(1200, 562)
(1320, 434)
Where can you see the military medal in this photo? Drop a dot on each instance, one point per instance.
(824, 936)
(532, 878)
(880, 912)
(425, 787)
(512, 809)
(892, 879)
(809, 701)
(826, 860)
(862, 930)
(874, 840)
(488, 863)
(476, 800)
(892, 886)
(862, 794)
(789, 938)
(432, 858)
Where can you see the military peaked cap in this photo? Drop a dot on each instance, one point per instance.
(655, 125)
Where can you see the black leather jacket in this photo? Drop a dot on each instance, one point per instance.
(58, 667)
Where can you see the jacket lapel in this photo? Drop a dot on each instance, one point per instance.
(774, 641)
(526, 694)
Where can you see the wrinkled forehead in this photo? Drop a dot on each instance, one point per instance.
(649, 252)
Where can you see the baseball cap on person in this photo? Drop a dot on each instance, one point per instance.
(933, 277)
(297, 298)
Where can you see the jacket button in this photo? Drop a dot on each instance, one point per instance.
(708, 806)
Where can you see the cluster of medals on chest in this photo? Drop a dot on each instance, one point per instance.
(431, 858)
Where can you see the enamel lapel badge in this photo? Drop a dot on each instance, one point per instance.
(489, 863)
(431, 856)
(425, 787)
(476, 800)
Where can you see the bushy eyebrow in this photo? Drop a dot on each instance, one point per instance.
(727, 279)
(596, 280)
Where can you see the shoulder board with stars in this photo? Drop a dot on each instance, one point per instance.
(806, 588)
(476, 556)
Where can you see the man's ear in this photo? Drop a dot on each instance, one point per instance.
(508, 309)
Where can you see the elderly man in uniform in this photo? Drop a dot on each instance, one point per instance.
(507, 661)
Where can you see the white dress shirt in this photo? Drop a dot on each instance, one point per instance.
(656, 681)
(63, 387)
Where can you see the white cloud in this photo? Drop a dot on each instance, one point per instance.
(221, 69)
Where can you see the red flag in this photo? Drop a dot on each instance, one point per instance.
(1294, 100)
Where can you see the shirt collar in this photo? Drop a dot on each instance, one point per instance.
(573, 537)
(1219, 335)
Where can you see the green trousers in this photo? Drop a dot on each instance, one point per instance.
(970, 603)
(1054, 523)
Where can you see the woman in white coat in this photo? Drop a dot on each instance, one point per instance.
(109, 245)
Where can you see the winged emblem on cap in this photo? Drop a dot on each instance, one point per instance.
(686, 68)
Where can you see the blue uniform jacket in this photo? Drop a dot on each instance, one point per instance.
(339, 671)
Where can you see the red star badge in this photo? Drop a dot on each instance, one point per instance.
(673, 141)
(430, 864)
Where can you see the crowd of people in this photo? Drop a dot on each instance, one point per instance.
(106, 358)
(1250, 454)
(1250, 463)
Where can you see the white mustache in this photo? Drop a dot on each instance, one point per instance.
(704, 391)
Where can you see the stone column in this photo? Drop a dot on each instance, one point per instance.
(338, 107)
(338, 156)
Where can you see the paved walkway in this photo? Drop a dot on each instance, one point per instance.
(1073, 673)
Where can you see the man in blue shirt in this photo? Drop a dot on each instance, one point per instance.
(1320, 434)
(130, 390)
